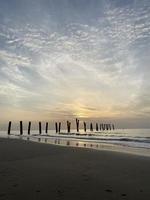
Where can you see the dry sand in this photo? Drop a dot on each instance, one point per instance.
(31, 170)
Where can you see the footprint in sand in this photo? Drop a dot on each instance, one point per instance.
(85, 176)
(123, 195)
(2, 194)
(15, 185)
(60, 192)
(108, 190)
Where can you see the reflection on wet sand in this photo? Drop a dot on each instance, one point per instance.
(72, 143)
(45, 140)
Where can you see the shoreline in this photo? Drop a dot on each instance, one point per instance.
(30, 170)
(80, 143)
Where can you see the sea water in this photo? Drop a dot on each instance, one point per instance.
(125, 140)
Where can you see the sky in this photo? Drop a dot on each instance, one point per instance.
(62, 59)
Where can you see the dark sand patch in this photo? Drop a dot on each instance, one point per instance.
(40, 171)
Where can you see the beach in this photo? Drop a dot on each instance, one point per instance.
(30, 170)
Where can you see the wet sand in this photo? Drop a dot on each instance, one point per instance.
(31, 170)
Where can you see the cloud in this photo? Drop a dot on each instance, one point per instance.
(79, 66)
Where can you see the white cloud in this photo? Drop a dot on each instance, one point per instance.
(81, 64)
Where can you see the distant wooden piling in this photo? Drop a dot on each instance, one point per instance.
(46, 128)
(113, 126)
(91, 127)
(9, 127)
(40, 128)
(96, 126)
(59, 127)
(56, 127)
(110, 127)
(107, 127)
(21, 128)
(68, 126)
(100, 127)
(103, 127)
(77, 124)
(29, 128)
(84, 123)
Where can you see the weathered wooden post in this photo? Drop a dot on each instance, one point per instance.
(107, 127)
(100, 127)
(103, 127)
(29, 128)
(110, 127)
(9, 127)
(96, 126)
(77, 124)
(46, 128)
(84, 123)
(113, 126)
(68, 126)
(21, 128)
(91, 127)
(59, 127)
(40, 128)
(56, 127)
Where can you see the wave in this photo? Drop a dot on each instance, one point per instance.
(129, 138)
(96, 138)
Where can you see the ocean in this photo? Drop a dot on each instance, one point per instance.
(135, 141)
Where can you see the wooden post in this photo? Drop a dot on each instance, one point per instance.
(68, 126)
(29, 127)
(96, 126)
(9, 127)
(110, 127)
(77, 124)
(113, 126)
(46, 128)
(103, 127)
(84, 126)
(40, 128)
(21, 128)
(59, 127)
(91, 127)
(107, 127)
(100, 127)
(56, 127)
